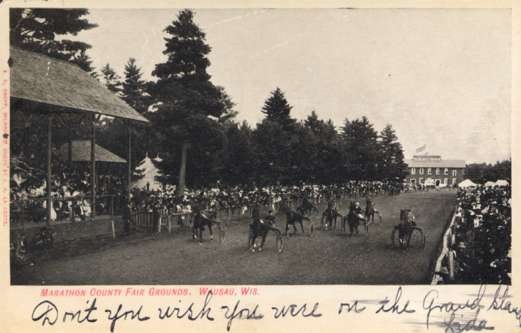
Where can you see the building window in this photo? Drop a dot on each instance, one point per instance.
(446, 172)
(421, 171)
(454, 173)
(421, 180)
(413, 171)
(453, 181)
(437, 171)
(446, 181)
(429, 171)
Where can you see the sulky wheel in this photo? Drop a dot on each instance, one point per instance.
(416, 239)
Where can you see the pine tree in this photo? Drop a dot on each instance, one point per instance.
(361, 149)
(37, 29)
(188, 103)
(312, 122)
(277, 109)
(392, 165)
(134, 88)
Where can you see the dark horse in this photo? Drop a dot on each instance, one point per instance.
(293, 217)
(261, 229)
(306, 207)
(202, 220)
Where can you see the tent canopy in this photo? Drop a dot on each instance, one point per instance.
(80, 152)
(42, 82)
(467, 183)
(490, 184)
(501, 183)
(150, 173)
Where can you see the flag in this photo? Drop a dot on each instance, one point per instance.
(420, 149)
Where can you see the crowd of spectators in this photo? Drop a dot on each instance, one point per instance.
(233, 199)
(479, 239)
(70, 192)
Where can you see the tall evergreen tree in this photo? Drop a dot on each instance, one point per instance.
(392, 165)
(134, 88)
(188, 102)
(38, 29)
(277, 109)
(361, 148)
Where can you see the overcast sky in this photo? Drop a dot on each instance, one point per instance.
(441, 77)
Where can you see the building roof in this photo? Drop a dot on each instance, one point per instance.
(52, 82)
(435, 163)
(81, 153)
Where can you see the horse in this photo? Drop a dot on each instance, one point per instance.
(306, 207)
(261, 229)
(202, 220)
(293, 217)
(371, 211)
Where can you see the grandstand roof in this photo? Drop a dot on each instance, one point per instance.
(81, 153)
(52, 83)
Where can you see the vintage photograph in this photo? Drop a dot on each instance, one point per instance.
(332, 146)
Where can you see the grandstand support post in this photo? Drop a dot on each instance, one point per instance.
(129, 161)
(112, 217)
(49, 167)
(93, 167)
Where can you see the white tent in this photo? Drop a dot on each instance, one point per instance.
(150, 173)
(490, 184)
(429, 182)
(501, 183)
(467, 183)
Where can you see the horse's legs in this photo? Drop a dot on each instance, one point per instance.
(194, 232)
(210, 228)
(301, 225)
(264, 234)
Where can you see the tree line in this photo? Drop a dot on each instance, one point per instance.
(483, 172)
(193, 126)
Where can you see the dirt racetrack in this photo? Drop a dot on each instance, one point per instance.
(325, 258)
